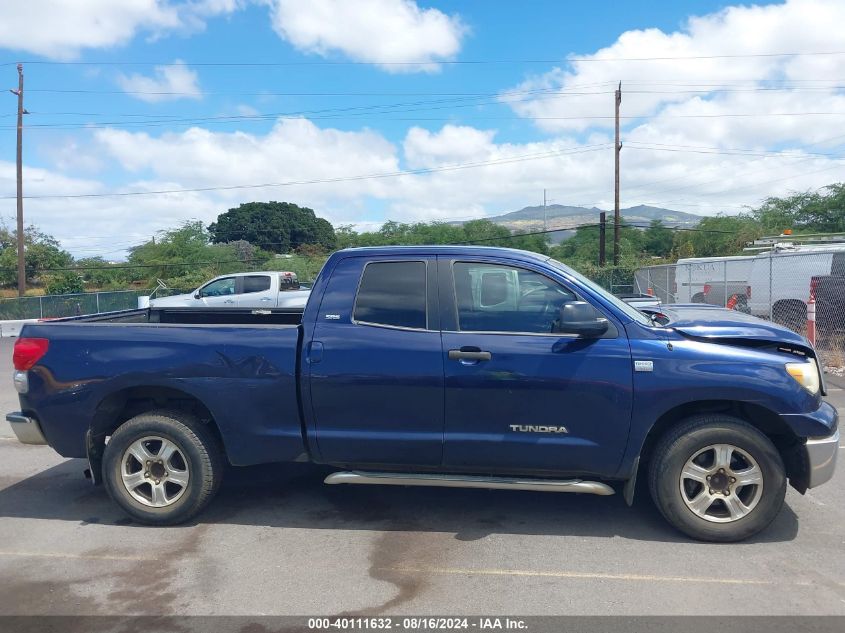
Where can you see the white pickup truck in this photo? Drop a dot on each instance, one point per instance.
(271, 289)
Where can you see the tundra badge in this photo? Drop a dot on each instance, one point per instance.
(643, 365)
(532, 428)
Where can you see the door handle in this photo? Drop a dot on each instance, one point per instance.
(469, 354)
(266, 299)
(229, 301)
(315, 352)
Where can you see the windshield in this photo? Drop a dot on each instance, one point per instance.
(632, 312)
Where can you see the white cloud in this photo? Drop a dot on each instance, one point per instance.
(62, 30)
(294, 150)
(452, 143)
(389, 32)
(297, 150)
(691, 69)
(683, 151)
(168, 83)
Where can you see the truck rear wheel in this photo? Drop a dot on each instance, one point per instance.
(162, 467)
(717, 478)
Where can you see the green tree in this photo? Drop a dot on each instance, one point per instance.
(97, 273)
(809, 212)
(278, 227)
(184, 257)
(658, 239)
(42, 252)
(64, 283)
(717, 236)
(583, 247)
(480, 232)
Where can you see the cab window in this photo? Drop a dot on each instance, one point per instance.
(256, 283)
(496, 298)
(392, 293)
(219, 288)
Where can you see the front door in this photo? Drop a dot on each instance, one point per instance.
(220, 293)
(374, 364)
(520, 397)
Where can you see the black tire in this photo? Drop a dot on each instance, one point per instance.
(791, 314)
(681, 443)
(203, 459)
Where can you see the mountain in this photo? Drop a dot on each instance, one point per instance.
(564, 218)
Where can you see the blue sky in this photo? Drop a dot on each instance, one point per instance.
(501, 89)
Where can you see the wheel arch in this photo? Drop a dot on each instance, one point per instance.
(120, 406)
(764, 420)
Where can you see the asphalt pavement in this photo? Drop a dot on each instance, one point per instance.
(276, 541)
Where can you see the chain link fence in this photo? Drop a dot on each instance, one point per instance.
(776, 286)
(57, 306)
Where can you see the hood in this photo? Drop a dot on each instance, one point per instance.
(719, 323)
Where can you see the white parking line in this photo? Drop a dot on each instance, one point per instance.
(78, 556)
(579, 575)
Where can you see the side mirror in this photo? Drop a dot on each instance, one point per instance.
(197, 295)
(579, 317)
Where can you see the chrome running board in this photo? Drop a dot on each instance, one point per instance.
(468, 481)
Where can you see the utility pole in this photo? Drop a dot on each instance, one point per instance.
(21, 261)
(602, 238)
(544, 211)
(617, 148)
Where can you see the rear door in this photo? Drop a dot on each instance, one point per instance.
(519, 397)
(375, 367)
(256, 291)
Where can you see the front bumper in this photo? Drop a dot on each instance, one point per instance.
(820, 454)
(27, 429)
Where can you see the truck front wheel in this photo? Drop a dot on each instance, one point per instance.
(717, 478)
(162, 467)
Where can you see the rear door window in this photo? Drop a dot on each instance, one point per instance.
(256, 283)
(393, 294)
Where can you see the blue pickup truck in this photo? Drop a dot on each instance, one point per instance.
(441, 366)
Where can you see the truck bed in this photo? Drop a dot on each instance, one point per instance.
(241, 364)
(195, 316)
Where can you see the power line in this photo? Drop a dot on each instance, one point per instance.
(704, 88)
(130, 266)
(333, 93)
(74, 126)
(712, 167)
(726, 152)
(410, 172)
(765, 182)
(503, 96)
(429, 62)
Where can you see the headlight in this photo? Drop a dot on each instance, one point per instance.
(806, 373)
